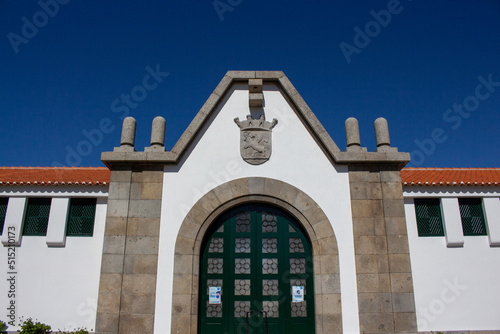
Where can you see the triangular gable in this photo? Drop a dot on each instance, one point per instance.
(292, 96)
(276, 77)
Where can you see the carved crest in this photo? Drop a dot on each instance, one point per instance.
(255, 139)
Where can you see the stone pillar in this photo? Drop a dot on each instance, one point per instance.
(157, 135)
(158, 132)
(384, 278)
(352, 133)
(382, 134)
(127, 140)
(130, 255)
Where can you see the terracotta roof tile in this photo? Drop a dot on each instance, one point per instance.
(54, 175)
(450, 176)
(100, 175)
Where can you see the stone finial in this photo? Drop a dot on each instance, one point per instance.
(352, 135)
(157, 135)
(255, 96)
(158, 131)
(127, 141)
(352, 132)
(382, 134)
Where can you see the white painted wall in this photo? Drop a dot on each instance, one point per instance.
(491, 208)
(452, 223)
(56, 227)
(296, 159)
(455, 288)
(56, 285)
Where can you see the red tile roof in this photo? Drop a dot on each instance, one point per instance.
(54, 175)
(100, 175)
(450, 176)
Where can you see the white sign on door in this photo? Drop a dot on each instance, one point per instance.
(214, 295)
(297, 294)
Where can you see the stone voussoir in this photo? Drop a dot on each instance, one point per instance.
(224, 193)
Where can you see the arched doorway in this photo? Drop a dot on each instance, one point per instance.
(185, 286)
(256, 274)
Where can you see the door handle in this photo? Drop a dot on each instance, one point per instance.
(248, 314)
(264, 313)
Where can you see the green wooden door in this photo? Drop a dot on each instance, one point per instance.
(253, 256)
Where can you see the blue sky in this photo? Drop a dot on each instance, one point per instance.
(430, 67)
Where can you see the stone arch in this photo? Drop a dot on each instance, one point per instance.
(269, 191)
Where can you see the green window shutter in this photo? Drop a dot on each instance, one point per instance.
(471, 212)
(429, 221)
(3, 211)
(37, 217)
(81, 217)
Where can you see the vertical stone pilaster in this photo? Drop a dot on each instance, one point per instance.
(130, 255)
(383, 271)
(110, 285)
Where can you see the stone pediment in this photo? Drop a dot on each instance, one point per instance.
(305, 114)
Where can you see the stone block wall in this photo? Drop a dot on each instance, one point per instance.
(383, 272)
(129, 263)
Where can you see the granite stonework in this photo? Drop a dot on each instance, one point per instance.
(127, 289)
(129, 262)
(386, 301)
(384, 278)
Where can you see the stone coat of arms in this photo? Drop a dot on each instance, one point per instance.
(255, 139)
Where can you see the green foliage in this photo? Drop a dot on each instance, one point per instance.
(77, 331)
(30, 327)
(3, 326)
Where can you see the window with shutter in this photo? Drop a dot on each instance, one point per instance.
(37, 217)
(81, 217)
(3, 211)
(471, 212)
(429, 219)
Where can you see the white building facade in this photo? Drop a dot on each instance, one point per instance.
(454, 269)
(254, 221)
(51, 248)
